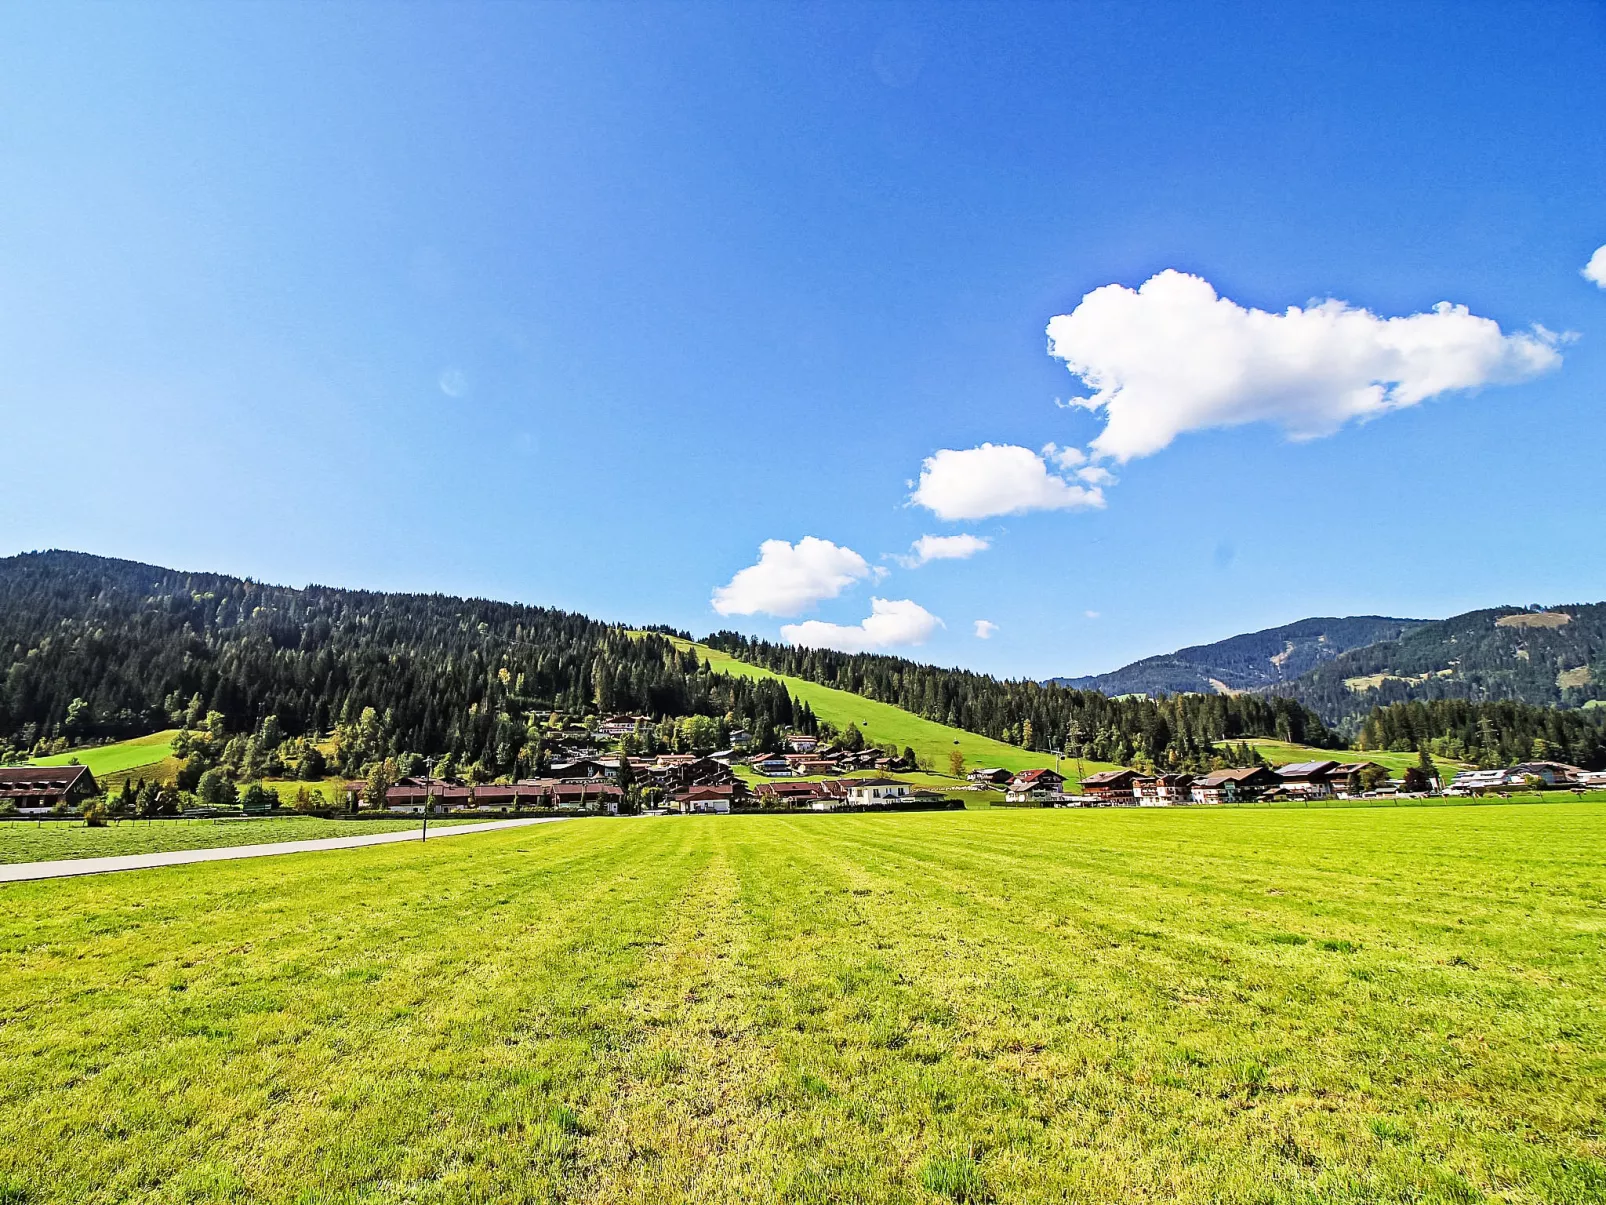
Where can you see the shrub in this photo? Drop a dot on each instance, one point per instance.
(215, 789)
(95, 814)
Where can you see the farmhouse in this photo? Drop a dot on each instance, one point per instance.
(585, 795)
(1347, 778)
(1161, 790)
(772, 764)
(989, 776)
(789, 794)
(1308, 779)
(740, 738)
(40, 788)
(1039, 785)
(1109, 787)
(1234, 786)
(802, 742)
(616, 726)
(717, 800)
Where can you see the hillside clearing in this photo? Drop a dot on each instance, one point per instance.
(104, 760)
(882, 722)
(1191, 1005)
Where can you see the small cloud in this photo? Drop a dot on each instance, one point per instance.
(1091, 614)
(1065, 458)
(943, 548)
(789, 579)
(985, 628)
(1095, 475)
(454, 382)
(995, 479)
(891, 623)
(1595, 270)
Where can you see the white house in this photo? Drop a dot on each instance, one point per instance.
(875, 792)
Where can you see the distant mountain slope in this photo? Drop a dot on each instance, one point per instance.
(1554, 657)
(1249, 662)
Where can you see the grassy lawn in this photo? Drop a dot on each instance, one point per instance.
(124, 755)
(883, 722)
(47, 841)
(1280, 753)
(1196, 1005)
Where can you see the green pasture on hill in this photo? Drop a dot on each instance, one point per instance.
(104, 760)
(882, 722)
(1195, 1005)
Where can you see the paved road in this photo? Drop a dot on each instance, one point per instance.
(18, 872)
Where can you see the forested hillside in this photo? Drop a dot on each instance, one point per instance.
(1554, 657)
(1176, 731)
(1247, 662)
(97, 648)
(93, 648)
(1489, 734)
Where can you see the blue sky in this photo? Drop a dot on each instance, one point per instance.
(581, 305)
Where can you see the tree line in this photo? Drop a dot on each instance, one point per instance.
(1489, 734)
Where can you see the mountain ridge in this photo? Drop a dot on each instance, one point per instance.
(1248, 661)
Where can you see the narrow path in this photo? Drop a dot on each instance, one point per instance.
(18, 872)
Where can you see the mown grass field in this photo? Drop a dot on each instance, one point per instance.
(1195, 1005)
(112, 759)
(883, 722)
(49, 840)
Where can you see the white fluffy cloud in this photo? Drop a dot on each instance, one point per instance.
(1172, 356)
(944, 548)
(985, 628)
(1595, 270)
(789, 579)
(995, 479)
(891, 623)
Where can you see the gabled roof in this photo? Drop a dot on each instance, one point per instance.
(875, 782)
(1103, 778)
(1306, 769)
(1240, 774)
(42, 778)
(1034, 775)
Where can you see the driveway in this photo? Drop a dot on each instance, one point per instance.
(19, 872)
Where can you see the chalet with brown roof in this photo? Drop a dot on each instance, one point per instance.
(40, 788)
(1109, 787)
(1234, 786)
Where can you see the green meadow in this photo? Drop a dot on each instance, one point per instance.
(1198, 1005)
(50, 840)
(113, 759)
(882, 722)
